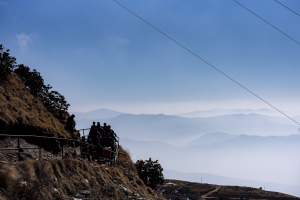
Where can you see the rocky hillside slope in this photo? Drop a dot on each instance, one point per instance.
(73, 179)
(21, 113)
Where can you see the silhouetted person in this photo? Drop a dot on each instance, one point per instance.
(71, 123)
(93, 132)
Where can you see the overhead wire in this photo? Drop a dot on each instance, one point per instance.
(267, 22)
(204, 61)
(287, 8)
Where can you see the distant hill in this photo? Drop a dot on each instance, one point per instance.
(210, 138)
(189, 185)
(219, 112)
(97, 114)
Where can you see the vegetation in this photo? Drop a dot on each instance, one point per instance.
(34, 82)
(7, 63)
(150, 172)
(53, 100)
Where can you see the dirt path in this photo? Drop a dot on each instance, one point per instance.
(209, 193)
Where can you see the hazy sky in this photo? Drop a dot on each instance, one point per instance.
(98, 55)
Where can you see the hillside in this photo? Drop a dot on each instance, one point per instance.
(55, 176)
(71, 178)
(176, 189)
(21, 113)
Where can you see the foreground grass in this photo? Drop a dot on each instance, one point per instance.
(67, 178)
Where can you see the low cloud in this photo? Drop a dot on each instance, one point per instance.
(118, 40)
(23, 39)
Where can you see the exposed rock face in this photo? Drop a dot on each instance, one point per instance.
(21, 113)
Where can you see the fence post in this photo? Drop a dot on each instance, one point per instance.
(40, 150)
(19, 150)
(80, 149)
(62, 150)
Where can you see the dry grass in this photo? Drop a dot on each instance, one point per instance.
(33, 179)
(22, 113)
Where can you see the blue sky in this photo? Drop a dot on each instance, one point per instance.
(98, 55)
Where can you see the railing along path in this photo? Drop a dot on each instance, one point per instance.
(42, 139)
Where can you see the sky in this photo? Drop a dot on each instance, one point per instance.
(99, 55)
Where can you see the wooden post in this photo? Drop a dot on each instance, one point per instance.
(62, 150)
(80, 150)
(19, 150)
(40, 150)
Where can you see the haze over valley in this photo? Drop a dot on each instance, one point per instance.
(249, 147)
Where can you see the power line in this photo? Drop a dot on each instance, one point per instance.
(287, 8)
(204, 60)
(267, 22)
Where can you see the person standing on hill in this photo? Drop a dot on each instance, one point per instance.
(71, 123)
(100, 128)
(113, 134)
(93, 133)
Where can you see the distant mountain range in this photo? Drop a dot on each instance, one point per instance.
(96, 114)
(179, 130)
(219, 112)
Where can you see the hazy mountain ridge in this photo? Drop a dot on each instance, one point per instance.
(101, 113)
(179, 130)
(219, 112)
(210, 138)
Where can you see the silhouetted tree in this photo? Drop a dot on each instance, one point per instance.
(7, 62)
(53, 100)
(150, 172)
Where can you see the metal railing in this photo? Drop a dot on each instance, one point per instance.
(61, 145)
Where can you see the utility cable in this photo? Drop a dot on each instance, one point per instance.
(287, 8)
(203, 60)
(267, 22)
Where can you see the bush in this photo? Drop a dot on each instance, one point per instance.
(150, 172)
(7, 63)
(53, 100)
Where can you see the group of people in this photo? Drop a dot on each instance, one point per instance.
(99, 137)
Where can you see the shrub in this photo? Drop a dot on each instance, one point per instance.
(150, 172)
(53, 100)
(7, 62)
